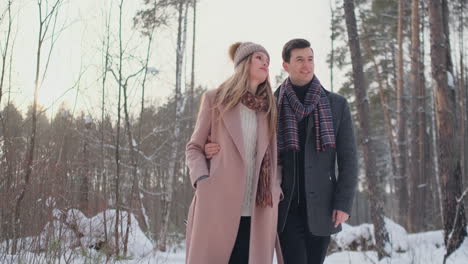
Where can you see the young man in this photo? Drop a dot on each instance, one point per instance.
(315, 132)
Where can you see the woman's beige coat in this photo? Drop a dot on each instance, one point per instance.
(215, 212)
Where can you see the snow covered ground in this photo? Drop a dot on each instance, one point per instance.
(424, 248)
(76, 231)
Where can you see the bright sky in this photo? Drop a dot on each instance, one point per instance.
(219, 24)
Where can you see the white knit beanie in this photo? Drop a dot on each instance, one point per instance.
(241, 50)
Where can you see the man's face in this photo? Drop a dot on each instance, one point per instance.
(300, 66)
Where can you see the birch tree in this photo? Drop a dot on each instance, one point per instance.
(179, 105)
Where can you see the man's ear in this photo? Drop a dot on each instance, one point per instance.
(286, 66)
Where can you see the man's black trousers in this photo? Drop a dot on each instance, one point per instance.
(298, 245)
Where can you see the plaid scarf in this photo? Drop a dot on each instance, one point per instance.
(291, 111)
(264, 197)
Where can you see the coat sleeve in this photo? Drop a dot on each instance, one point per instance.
(194, 151)
(347, 163)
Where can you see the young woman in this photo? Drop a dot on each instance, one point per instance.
(233, 215)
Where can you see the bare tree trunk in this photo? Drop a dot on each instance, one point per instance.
(445, 21)
(135, 195)
(45, 21)
(148, 52)
(434, 144)
(179, 50)
(434, 210)
(7, 221)
(103, 171)
(135, 192)
(133, 161)
(192, 79)
(148, 31)
(401, 176)
(426, 167)
(5, 225)
(464, 87)
(391, 83)
(449, 159)
(419, 184)
(178, 109)
(374, 188)
(117, 140)
(461, 93)
(5, 51)
(84, 188)
(385, 106)
(10, 67)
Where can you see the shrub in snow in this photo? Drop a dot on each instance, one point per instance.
(353, 238)
(361, 238)
(74, 230)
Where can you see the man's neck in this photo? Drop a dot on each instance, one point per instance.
(300, 83)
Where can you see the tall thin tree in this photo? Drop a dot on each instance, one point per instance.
(449, 159)
(374, 188)
(461, 89)
(5, 49)
(117, 138)
(418, 183)
(106, 63)
(192, 78)
(47, 19)
(401, 181)
(178, 108)
(6, 136)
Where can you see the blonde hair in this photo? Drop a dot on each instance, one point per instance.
(230, 92)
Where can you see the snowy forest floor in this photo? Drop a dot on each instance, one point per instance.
(70, 238)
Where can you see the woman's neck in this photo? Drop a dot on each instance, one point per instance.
(253, 86)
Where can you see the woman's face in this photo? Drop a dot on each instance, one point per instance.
(259, 67)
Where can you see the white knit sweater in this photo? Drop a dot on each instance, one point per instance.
(249, 132)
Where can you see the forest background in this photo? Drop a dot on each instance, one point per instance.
(98, 98)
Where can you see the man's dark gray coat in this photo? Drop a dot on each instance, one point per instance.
(330, 176)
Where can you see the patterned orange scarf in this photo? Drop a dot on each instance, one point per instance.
(264, 197)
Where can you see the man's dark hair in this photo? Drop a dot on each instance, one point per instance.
(293, 44)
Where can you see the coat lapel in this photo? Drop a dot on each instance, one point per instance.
(232, 122)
